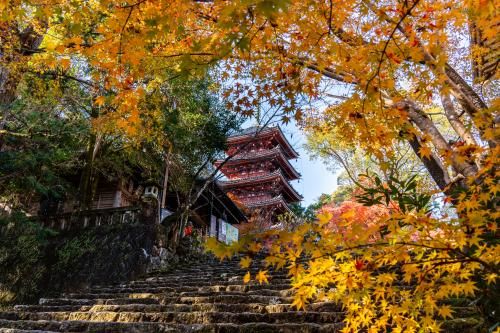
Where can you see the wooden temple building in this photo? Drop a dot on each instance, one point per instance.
(123, 201)
(258, 170)
(258, 175)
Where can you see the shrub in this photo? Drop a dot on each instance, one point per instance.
(23, 244)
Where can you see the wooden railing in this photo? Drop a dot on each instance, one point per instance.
(91, 218)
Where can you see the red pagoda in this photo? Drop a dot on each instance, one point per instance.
(259, 172)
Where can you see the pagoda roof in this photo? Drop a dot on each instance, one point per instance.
(275, 201)
(258, 132)
(291, 193)
(275, 153)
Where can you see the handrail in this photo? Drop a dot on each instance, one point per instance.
(97, 211)
(89, 218)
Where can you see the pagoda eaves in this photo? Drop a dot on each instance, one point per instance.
(277, 201)
(291, 194)
(259, 133)
(275, 154)
(259, 172)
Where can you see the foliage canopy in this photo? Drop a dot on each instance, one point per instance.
(395, 63)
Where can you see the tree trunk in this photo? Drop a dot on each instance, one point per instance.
(433, 165)
(178, 228)
(8, 86)
(165, 182)
(455, 122)
(466, 95)
(88, 179)
(425, 124)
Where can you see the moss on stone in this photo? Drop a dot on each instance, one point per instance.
(464, 325)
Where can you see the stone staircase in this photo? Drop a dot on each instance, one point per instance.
(207, 297)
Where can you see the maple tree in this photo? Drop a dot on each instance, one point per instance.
(397, 62)
(392, 65)
(350, 161)
(352, 218)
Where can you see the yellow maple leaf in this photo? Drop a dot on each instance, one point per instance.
(99, 101)
(299, 302)
(65, 63)
(349, 214)
(324, 218)
(294, 269)
(254, 247)
(491, 278)
(425, 152)
(445, 311)
(468, 288)
(247, 277)
(385, 278)
(494, 189)
(245, 262)
(262, 277)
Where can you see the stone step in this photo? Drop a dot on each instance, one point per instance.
(219, 271)
(134, 289)
(228, 299)
(213, 265)
(191, 280)
(464, 311)
(80, 326)
(188, 282)
(222, 307)
(210, 297)
(199, 317)
(107, 327)
(80, 302)
(263, 292)
(198, 278)
(202, 278)
(55, 308)
(235, 260)
(156, 299)
(208, 307)
(15, 330)
(464, 325)
(206, 273)
(230, 287)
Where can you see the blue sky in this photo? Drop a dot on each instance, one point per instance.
(316, 178)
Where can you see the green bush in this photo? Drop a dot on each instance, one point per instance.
(35, 261)
(23, 245)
